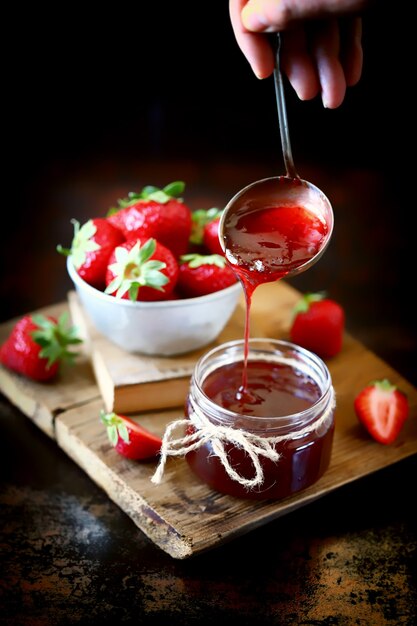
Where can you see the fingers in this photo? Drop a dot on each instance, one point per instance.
(298, 64)
(318, 56)
(352, 54)
(326, 49)
(254, 46)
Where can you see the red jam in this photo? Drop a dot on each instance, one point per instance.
(266, 243)
(273, 389)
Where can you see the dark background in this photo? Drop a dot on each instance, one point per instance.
(97, 106)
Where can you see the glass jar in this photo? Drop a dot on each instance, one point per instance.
(281, 442)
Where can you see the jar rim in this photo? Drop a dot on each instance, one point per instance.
(317, 365)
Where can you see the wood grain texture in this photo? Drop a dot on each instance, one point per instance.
(43, 401)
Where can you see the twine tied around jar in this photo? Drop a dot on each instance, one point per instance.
(254, 445)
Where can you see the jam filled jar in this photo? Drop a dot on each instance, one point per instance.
(266, 437)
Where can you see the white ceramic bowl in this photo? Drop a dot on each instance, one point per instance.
(157, 328)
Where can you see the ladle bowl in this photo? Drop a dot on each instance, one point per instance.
(277, 191)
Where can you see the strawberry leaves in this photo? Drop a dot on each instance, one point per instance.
(82, 243)
(200, 219)
(196, 260)
(307, 299)
(149, 192)
(54, 338)
(134, 269)
(116, 427)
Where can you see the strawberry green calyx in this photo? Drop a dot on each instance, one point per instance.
(384, 385)
(115, 427)
(54, 338)
(170, 191)
(200, 218)
(303, 304)
(134, 269)
(82, 243)
(196, 260)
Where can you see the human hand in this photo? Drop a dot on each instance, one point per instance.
(321, 50)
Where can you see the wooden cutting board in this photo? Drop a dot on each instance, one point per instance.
(182, 515)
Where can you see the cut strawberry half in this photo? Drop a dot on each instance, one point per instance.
(129, 438)
(382, 409)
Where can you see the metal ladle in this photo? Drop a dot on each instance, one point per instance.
(288, 189)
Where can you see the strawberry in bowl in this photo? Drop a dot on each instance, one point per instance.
(201, 274)
(141, 271)
(155, 213)
(154, 298)
(91, 247)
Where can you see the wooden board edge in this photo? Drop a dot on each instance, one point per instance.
(39, 414)
(266, 515)
(159, 531)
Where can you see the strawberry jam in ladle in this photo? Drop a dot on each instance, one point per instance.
(277, 226)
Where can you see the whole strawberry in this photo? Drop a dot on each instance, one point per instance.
(36, 346)
(318, 325)
(91, 248)
(382, 409)
(155, 213)
(129, 438)
(137, 271)
(203, 274)
(205, 229)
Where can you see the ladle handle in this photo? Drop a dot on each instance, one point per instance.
(282, 113)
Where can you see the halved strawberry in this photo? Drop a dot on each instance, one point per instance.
(129, 438)
(37, 344)
(155, 213)
(137, 271)
(318, 325)
(382, 409)
(91, 248)
(203, 274)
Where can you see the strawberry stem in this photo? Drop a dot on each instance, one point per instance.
(134, 269)
(195, 260)
(115, 427)
(384, 385)
(201, 218)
